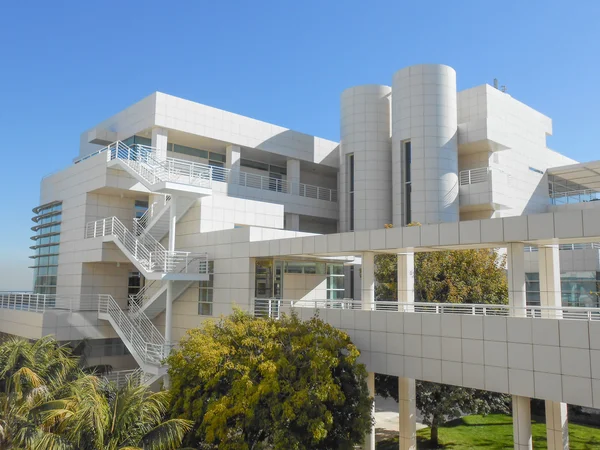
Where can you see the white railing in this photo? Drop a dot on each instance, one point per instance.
(121, 377)
(473, 176)
(145, 249)
(139, 225)
(578, 196)
(140, 297)
(149, 352)
(583, 246)
(26, 301)
(274, 307)
(265, 183)
(145, 326)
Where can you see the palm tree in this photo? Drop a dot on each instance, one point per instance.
(97, 415)
(31, 373)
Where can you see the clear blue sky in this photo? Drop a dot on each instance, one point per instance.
(66, 65)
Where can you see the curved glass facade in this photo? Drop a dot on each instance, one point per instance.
(46, 244)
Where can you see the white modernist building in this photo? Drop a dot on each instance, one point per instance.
(174, 212)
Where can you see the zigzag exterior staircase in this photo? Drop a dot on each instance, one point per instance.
(143, 340)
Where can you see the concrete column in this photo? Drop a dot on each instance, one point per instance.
(169, 313)
(407, 403)
(370, 437)
(159, 142)
(521, 413)
(232, 158)
(368, 280)
(406, 278)
(172, 223)
(293, 176)
(550, 290)
(516, 278)
(557, 426)
(292, 222)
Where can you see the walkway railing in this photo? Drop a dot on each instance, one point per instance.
(578, 196)
(121, 377)
(274, 307)
(39, 303)
(140, 224)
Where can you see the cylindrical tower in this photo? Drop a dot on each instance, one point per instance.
(365, 179)
(424, 145)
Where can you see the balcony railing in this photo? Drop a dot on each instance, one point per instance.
(39, 303)
(473, 176)
(571, 197)
(264, 307)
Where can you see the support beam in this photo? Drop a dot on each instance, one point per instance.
(406, 277)
(521, 414)
(516, 278)
(172, 223)
(557, 425)
(232, 158)
(550, 290)
(407, 404)
(368, 280)
(292, 222)
(160, 137)
(293, 176)
(370, 437)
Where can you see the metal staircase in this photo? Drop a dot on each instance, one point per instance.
(148, 255)
(171, 175)
(143, 340)
(152, 299)
(155, 220)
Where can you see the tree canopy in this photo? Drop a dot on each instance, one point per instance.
(250, 383)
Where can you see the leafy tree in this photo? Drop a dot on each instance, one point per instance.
(250, 383)
(466, 276)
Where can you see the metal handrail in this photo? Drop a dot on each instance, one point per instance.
(140, 224)
(121, 377)
(145, 325)
(39, 303)
(150, 352)
(145, 249)
(273, 307)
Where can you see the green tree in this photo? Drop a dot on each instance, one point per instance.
(96, 415)
(250, 383)
(466, 276)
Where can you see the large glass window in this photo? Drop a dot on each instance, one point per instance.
(351, 192)
(205, 293)
(407, 182)
(46, 249)
(335, 281)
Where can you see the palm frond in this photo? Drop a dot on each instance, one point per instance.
(166, 436)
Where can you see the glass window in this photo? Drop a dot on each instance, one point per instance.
(205, 293)
(407, 181)
(335, 281)
(190, 151)
(351, 192)
(254, 164)
(217, 157)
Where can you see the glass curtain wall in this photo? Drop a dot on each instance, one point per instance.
(46, 247)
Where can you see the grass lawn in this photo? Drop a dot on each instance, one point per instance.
(495, 432)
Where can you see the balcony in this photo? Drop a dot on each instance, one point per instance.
(483, 189)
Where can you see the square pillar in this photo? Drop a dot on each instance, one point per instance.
(550, 290)
(370, 437)
(407, 404)
(232, 157)
(293, 176)
(516, 279)
(521, 414)
(368, 280)
(159, 142)
(406, 278)
(292, 222)
(557, 425)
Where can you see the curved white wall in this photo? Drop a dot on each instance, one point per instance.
(365, 132)
(424, 111)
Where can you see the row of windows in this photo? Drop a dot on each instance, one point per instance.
(205, 154)
(46, 260)
(263, 166)
(577, 288)
(47, 270)
(54, 239)
(40, 211)
(139, 140)
(49, 229)
(48, 250)
(48, 219)
(45, 281)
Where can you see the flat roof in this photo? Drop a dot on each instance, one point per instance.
(585, 174)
